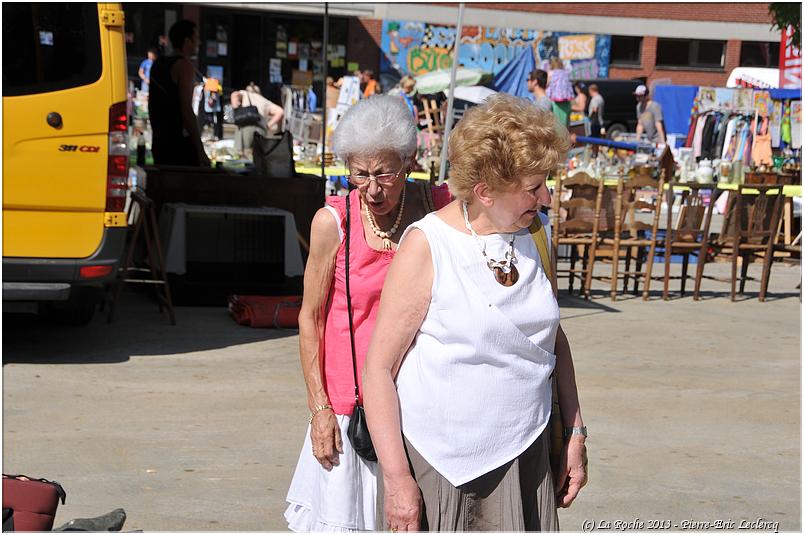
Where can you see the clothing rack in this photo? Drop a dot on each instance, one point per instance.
(730, 111)
(299, 97)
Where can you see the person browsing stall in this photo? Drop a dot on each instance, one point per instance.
(176, 136)
(271, 116)
(458, 374)
(649, 116)
(580, 104)
(596, 106)
(333, 488)
(144, 72)
(560, 91)
(537, 84)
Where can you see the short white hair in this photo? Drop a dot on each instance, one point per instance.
(376, 124)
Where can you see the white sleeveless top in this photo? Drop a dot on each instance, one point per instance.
(474, 387)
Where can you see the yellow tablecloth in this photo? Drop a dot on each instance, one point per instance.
(342, 171)
(789, 190)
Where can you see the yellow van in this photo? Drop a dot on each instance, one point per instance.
(65, 154)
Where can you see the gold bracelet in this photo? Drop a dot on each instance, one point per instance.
(318, 409)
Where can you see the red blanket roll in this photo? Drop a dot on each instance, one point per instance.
(280, 312)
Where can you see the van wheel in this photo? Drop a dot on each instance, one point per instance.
(614, 130)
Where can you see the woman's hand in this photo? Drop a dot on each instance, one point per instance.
(572, 476)
(403, 503)
(326, 438)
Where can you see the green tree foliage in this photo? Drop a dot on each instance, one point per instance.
(787, 14)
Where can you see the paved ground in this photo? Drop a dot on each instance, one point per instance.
(693, 411)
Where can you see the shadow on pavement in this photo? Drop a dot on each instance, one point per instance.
(138, 330)
(726, 294)
(573, 306)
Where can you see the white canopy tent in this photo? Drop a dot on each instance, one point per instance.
(757, 77)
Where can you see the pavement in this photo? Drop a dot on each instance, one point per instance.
(693, 410)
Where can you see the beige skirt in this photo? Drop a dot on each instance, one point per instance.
(244, 136)
(518, 496)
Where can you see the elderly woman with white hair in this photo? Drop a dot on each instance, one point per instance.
(333, 488)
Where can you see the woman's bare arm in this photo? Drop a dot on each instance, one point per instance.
(405, 300)
(324, 244)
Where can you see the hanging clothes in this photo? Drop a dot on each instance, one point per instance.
(745, 143)
(786, 134)
(691, 131)
(795, 124)
(722, 128)
(761, 152)
(698, 138)
(728, 139)
(706, 136)
(776, 122)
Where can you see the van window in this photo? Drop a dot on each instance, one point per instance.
(49, 47)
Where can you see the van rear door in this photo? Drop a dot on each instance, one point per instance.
(56, 104)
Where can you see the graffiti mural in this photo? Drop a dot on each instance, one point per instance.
(416, 48)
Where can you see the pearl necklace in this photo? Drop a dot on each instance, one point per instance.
(385, 235)
(505, 271)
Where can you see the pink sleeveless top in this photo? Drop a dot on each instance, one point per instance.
(367, 271)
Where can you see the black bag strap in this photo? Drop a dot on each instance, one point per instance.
(8, 519)
(349, 297)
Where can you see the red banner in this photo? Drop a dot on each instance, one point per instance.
(789, 62)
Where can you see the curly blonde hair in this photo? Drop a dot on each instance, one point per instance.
(501, 141)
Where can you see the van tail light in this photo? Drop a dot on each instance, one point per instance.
(117, 169)
(94, 272)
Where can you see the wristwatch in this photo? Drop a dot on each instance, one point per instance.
(569, 431)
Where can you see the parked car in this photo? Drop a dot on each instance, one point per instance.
(65, 155)
(619, 113)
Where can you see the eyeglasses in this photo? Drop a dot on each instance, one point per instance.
(385, 179)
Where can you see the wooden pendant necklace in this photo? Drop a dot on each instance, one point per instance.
(505, 271)
(385, 235)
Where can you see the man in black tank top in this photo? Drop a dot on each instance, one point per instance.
(176, 138)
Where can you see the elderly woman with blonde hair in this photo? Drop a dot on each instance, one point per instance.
(458, 373)
(352, 242)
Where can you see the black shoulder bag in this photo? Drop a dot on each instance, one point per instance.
(358, 432)
(247, 115)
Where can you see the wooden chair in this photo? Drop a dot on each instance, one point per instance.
(686, 236)
(576, 214)
(749, 230)
(431, 115)
(631, 233)
(794, 250)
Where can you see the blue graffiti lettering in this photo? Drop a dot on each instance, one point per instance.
(467, 55)
(485, 58)
(500, 57)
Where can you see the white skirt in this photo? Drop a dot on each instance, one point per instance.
(343, 499)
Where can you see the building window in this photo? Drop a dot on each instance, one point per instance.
(626, 50)
(759, 54)
(694, 53)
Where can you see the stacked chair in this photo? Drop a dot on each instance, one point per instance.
(578, 218)
(687, 236)
(634, 238)
(750, 228)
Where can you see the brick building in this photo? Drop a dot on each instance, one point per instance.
(679, 43)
